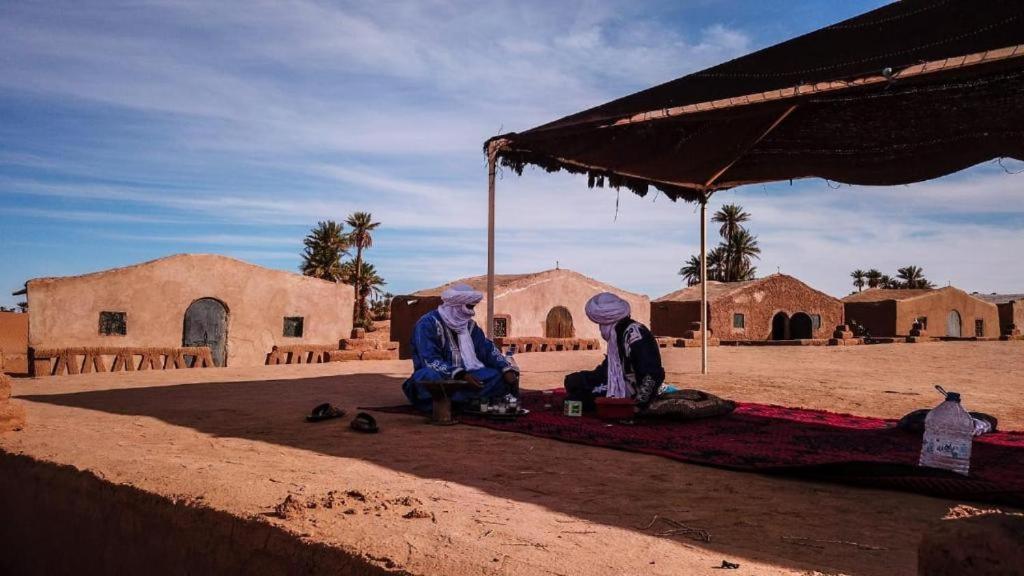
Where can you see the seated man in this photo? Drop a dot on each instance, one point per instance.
(448, 345)
(632, 367)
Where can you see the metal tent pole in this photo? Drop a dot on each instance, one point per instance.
(704, 283)
(492, 159)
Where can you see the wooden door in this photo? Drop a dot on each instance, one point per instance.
(953, 324)
(206, 324)
(559, 323)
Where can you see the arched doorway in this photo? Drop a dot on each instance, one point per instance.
(780, 326)
(953, 324)
(206, 324)
(559, 323)
(801, 327)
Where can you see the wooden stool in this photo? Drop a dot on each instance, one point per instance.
(441, 393)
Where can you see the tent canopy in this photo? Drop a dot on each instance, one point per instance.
(908, 92)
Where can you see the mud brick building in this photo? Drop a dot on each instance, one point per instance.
(1011, 310)
(944, 312)
(548, 304)
(13, 343)
(777, 307)
(239, 310)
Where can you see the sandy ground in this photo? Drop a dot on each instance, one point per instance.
(465, 500)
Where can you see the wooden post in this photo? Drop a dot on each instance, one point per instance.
(492, 162)
(704, 283)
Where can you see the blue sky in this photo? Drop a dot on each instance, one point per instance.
(134, 130)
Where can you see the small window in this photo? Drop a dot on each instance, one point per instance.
(113, 324)
(923, 321)
(739, 321)
(816, 321)
(293, 326)
(979, 328)
(500, 327)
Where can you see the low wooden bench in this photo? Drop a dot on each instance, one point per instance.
(441, 393)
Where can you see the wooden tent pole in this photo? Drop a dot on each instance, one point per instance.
(492, 159)
(704, 283)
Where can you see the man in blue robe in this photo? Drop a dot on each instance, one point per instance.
(448, 345)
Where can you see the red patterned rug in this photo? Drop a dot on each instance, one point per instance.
(778, 440)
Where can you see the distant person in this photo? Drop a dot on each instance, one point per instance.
(448, 345)
(632, 367)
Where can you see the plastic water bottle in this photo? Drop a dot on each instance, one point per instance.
(948, 433)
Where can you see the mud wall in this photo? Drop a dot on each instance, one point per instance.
(673, 318)
(14, 343)
(937, 305)
(879, 318)
(758, 302)
(1011, 313)
(525, 306)
(59, 520)
(405, 312)
(155, 296)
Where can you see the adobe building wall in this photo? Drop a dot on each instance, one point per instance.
(14, 343)
(937, 305)
(1011, 314)
(525, 305)
(759, 302)
(762, 301)
(527, 308)
(879, 318)
(673, 319)
(405, 312)
(155, 296)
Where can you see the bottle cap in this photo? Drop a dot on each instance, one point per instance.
(953, 396)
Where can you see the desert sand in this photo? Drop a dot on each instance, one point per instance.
(464, 500)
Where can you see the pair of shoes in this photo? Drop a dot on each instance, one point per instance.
(363, 422)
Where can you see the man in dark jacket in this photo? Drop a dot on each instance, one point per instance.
(632, 366)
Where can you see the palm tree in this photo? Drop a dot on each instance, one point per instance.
(362, 225)
(691, 271)
(716, 265)
(913, 277)
(731, 217)
(858, 276)
(874, 277)
(325, 245)
(738, 252)
(370, 285)
(886, 281)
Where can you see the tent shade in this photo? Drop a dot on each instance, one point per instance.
(908, 92)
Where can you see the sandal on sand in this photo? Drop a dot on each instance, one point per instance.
(323, 412)
(363, 422)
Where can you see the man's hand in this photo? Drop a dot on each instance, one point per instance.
(467, 377)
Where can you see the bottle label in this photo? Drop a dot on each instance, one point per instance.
(958, 449)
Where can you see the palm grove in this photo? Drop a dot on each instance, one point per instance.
(328, 244)
(908, 277)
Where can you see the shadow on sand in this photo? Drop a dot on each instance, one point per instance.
(747, 514)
